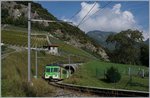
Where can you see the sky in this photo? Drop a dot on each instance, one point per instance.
(115, 16)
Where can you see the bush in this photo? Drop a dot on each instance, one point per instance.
(40, 88)
(3, 48)
(113, 75)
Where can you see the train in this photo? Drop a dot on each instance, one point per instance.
(55, 72)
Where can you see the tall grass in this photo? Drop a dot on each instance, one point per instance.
(14, 76)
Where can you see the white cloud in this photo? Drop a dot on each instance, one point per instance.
(116, 8)
(85, 8)
(108, 19)
(146, 35)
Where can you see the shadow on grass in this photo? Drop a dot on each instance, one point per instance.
(105, 80)
(131, 83)
(137, 84)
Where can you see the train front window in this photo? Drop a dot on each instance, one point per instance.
(55, 69)
(52, 69)
(47, 69)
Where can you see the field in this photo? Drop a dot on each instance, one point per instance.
(17, 36)
(66, 49)
(14, 67)
(92, 74)
(20, 39)
(14, 75)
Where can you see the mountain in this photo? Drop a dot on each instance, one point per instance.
(147, 41)
(15, 13)
(100, 37)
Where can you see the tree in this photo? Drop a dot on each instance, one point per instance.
(144, 58)
(126, 46)
(4, 15)
(113, 75)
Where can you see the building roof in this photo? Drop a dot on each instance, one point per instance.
(54, 64)
(52, 45)
(1, 44)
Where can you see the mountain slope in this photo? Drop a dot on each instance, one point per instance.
(100, 37)
(147, 41)
(15, 13)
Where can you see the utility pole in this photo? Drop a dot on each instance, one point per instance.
(29, 42)
(36, 56)
(36, 64)
(69, 64)
(29, 39)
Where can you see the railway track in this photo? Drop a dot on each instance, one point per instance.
(103, 92)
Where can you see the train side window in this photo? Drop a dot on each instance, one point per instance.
(55, 69)
(47, 69)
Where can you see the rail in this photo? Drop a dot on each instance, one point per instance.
(103, 92)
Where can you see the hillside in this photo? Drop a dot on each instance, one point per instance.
(18, 38)
(100, 37)
(147, 41)
(14, 74)
(14, 13)
(96, 71)
(14, 53)
(74, 46)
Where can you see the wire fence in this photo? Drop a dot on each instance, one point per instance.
(136, 72)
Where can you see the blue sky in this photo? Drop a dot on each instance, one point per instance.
(65, 9)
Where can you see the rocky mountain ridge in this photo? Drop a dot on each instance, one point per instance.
(14, 13)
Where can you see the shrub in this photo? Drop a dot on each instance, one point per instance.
(17, 6)
(40, 88)
(113, 75)
(3, 48)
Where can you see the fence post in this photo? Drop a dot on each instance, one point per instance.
(143, 73)
(129, 73)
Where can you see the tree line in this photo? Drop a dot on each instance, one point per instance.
(129, 48)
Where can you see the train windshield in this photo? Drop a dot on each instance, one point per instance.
(47, 69)
(55, 69)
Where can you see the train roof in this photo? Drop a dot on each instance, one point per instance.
(52, 45)
(55, 64)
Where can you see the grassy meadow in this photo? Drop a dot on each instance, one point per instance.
(19, 38)
(92, 74)
(14, 74)
(14, 68)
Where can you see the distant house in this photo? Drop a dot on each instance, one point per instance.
(2, 44)
(52, 49)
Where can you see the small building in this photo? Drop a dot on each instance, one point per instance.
(52, 49)
(2, 44)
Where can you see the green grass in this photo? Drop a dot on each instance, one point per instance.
(14, 75)
(17, 37)
(20, 29)
(20, 39)
(69, 49)
(92, 74)
(5, 49)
